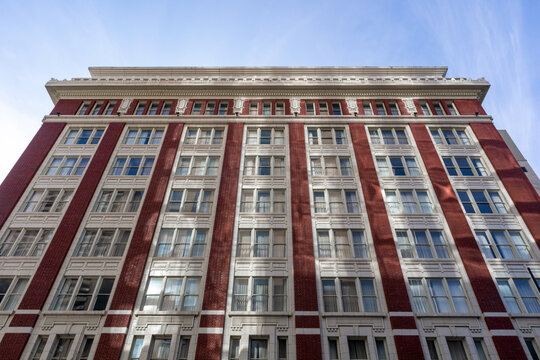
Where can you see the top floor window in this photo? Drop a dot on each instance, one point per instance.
(139, 110)
(366, 105)
(83, 136)
(451, 108)
(438, 108)
(388, 136)
(110, 107)
(450, 136)
(166, 110)
(336, 108)
(197, 108)
(323, 107)
(425, 108)
(84, 108)
(266, 136)
(97, 107)
(380, 108)
(393, 108)
(326, 136)
(210, 106)
(204, 136)
(223, 106)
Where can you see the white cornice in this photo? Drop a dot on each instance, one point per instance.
(287, 71)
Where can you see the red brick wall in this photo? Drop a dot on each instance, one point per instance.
(215, 293)
(67, 107)
(469, 107)
(25, 168)
(38, 290)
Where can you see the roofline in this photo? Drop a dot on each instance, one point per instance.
(361, 71)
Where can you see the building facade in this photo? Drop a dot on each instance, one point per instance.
(269, 213)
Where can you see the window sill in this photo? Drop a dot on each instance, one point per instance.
(261, 313)
(448, 315)
(354, 314)
(165, 313)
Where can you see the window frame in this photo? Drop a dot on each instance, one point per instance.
(451, 163)
(252, 165)
(155, 137)
(517, 296)
(319, 140)
(58, 205)
(10, 299)
(43, 238)
(377, 136)
(180, 296)
(83, 109)
(338, 295)
(270, 304)
(176, 241)
(255, 204)
(391, 169)
(216, 136)
(254, 136)
(487, 194)
(129, 205)
(77, 169)
(351, 248)
(460, 135)
(274, 248)
(330, 202)
(200, 202)
(430, 297)
(74, 295)
(98, 105)
(93, 247)
(193, 160)
(341, 171)
(412, 245)
(144, 168)
(488, 244)
(76, 136)
(391, 205)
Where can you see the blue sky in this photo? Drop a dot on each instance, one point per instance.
(498, 40)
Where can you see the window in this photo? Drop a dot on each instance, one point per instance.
(210, 106)
(39, 346)
(253, 108)
(520, 295)
(349, 295)
(433, 349)
(160, 348)
(234, 348)
(260, 294)
(197, 108)
(102, 243)
(380, 344)
(438, 108)
(25, 242)
(265, 136)
(357, 349)
(280, 108)
(533, 349)
(425, 108)
(258, 349)
(204, 136)
(394, 109)
(166, 110)
(464, 166)
(326, 136)
(110, 107)
(366, 105)
(143, 136)
(184, 347)
(67, 166)
(397, 166)
(47, 200)
(335, 201)
(422, 244)
(482, 202)
(139, 110)
(261, 243)
(153, 108)
(451, 108)
(181, 243)
(336, 108)
(83, 294)
(86, 346)
(408, 201)
(190, 200)
(267, 108)
(132, 166)
(380, 108)
(84, 108)
(450, 136)
(263, 201)
(333, 349)
(171, 294)
(223, 106)
(310, 108)
(198, 166)
(342, 243)
(331, 166)
(323, 108)
(61, 348)
(264, 166)
(119, 200)
(97, 107)
(83, 136)
(457, 350)
(438, 295)
(11, 291)
(388, 136)
(480, 349)
(136, 348)
(282, 348)
(502, 244)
